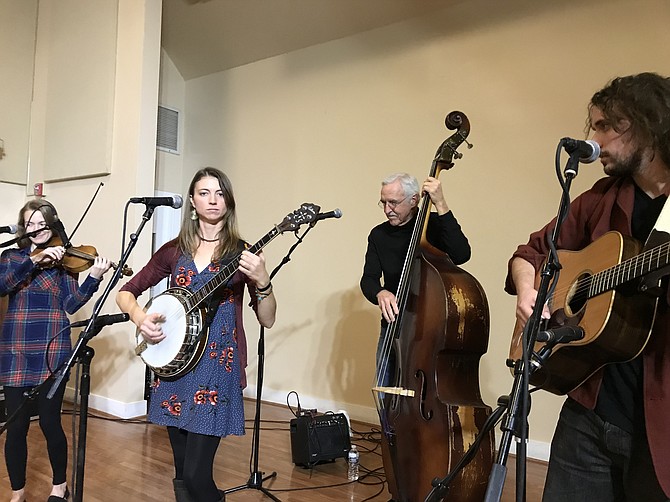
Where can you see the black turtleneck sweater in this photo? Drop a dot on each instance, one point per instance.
(387, 249)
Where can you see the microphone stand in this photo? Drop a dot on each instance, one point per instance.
(17, 239)
(517, 403)
(84, 355)
(256, 479)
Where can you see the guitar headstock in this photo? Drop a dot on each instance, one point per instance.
(306, 213)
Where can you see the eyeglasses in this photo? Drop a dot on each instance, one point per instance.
(391, 203)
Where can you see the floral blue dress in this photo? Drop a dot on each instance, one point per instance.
(208, 399)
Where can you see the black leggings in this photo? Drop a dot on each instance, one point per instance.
(16, 445)
(194, 463)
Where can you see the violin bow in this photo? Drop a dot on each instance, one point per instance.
(85, 212)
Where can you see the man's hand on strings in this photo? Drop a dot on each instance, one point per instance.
(525, 303)
(523, 275)
(433, 187)
(388, 305)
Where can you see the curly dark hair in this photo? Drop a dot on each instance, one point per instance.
(644, 101)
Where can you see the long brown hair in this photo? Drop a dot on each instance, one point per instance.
(48, 212)
(643, 100)
(229, 236)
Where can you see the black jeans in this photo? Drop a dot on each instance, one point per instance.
(595, 461)
(16, 446)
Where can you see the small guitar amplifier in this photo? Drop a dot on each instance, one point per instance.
(319, 439)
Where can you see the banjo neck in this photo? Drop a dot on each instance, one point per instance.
(224, 275)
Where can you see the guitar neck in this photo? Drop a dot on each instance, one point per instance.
(224, 275)
(631, 269)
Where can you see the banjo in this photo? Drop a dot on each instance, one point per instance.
(185, 310)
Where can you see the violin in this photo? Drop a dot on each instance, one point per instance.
(77, 258)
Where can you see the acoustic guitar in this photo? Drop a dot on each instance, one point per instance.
(603, 289)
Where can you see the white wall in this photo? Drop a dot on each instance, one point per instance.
(172, 94)
(129, 158)
(18, 24)
(73, 93)
(118, 375)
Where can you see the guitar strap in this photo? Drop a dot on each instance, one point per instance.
(212, 307)
(217, 296)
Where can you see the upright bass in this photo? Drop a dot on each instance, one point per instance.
(433, 410)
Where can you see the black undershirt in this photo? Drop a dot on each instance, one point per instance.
(620, 401)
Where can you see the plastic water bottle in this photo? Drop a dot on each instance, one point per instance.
(352, 460)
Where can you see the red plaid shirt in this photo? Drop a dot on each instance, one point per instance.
(38, 302)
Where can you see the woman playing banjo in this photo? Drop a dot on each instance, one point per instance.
(205, 404)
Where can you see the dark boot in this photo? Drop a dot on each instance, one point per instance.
(180, 492)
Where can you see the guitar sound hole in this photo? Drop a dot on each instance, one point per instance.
(579, 293)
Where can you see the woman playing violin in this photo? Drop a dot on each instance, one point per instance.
(35, 338)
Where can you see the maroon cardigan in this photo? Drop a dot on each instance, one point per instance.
(606, 206)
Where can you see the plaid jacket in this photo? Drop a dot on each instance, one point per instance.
(36, 313)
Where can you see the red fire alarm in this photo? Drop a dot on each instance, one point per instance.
(38, 189)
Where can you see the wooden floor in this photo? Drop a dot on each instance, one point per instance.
(131, 461)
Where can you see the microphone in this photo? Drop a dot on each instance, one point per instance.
(9, 229)
(174, 201)
(564, 334)
(335, 213)
(103, 320)
(588, 150)
(24, 236)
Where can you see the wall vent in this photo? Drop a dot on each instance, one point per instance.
(167, 137)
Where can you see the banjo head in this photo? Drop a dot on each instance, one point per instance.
(164, 352)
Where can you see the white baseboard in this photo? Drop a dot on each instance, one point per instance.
(112, 407)
(536, 449)
(356, 412)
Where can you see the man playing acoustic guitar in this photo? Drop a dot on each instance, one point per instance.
(612, 441)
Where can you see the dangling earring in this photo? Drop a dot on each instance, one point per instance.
(194, 215)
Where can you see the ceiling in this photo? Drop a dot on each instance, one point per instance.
(208, 36)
